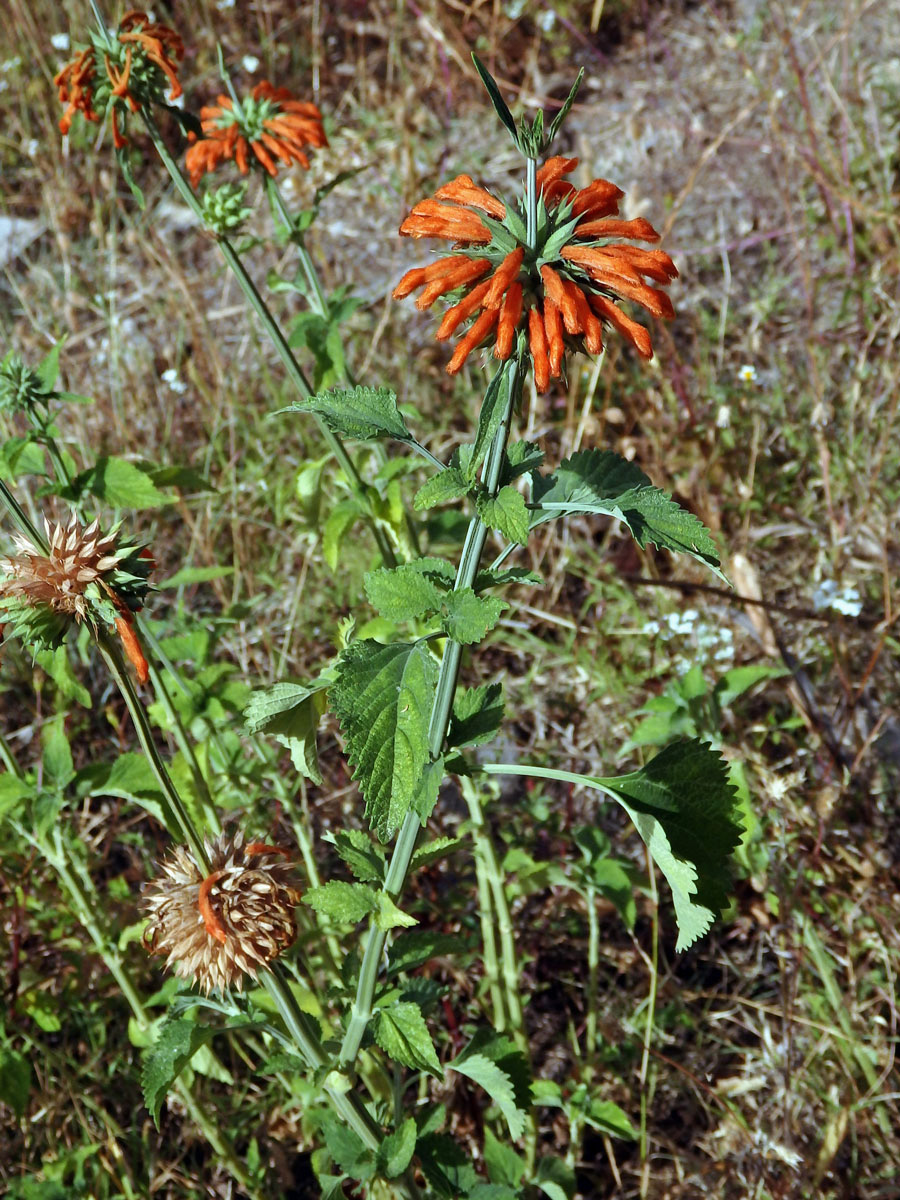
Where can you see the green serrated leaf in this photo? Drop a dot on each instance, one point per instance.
(499, 576)
(411, 950)
(599, 481)
(467, 618)
(427, 790)
(401, 1032)
(389, 916)
(291, 712)
(447, 1169)
(362, 856)
(609, 1118)
(347, 1148)
(477, 715)
(396, 1151)
(503, 1164)
(164, 1061)
(383, 699)
(402, 593)
(122, 484)
(520, 457)
(362, 413)
(346, 903)
(507, 513)
(685, 808)
(441, 488)
(436, 849)
(498, 1085)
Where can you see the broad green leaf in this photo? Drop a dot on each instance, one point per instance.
(396, 1151)
(291, 712)
(58, 666)
(520, 457)
(346, 903)
(477, 715)
(493, 410)
(609, 1118)
(15, 1080)
(13, 792)
(507, 513)
(498, 1085)
(436, 849)
(411, 950)
(57, 755)
(600, 481)
(383, 699)
(467, 618)
(122, 484)
(447, 1168)
(502, 1162)
(340, 519)
(347, 1148)
(441, 488)
(429, 786)
(401, 1032)
(173, 1049)
(362, 413)
(362, 856)
(555, 1178)
(402, 593)
(740, 679)
(685, 809)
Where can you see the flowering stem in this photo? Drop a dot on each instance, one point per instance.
(317, 296)
(178, 819)
(476, 535)
(294, 371)
(530, 202)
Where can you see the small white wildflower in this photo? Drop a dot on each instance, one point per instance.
(224, 5)
(547, 20)
(32, 146)
(176, 385)
(10, 64)
(515, 8)
(250, 63)
(60, 41)
(844, 600)
(747, 374)
(723, 416)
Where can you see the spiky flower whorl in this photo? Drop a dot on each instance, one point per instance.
(226, 924)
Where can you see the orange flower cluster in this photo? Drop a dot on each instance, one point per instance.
(560, 291)
(133, 64)
(271, 124)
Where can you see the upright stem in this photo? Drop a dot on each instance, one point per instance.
(530, 202)
(361, 1012)
(293, 368)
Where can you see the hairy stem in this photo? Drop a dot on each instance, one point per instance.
(361, 1012)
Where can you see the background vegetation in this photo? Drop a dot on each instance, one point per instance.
(767, 134)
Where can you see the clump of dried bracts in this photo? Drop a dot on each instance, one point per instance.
(562, 289)
(216, 928)
(132, 68)
(85, 576)
(268, 127)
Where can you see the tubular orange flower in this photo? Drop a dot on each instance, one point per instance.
(132, 67)
(227, 924)
(561, 291)
(269, 122)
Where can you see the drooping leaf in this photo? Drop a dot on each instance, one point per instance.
(467, 618)
(429, 785)
(396, 1151)
(58, 666)
(609, 1118)
(507, 513)
(362, 413)
(362, 856)
(432, 851)
(520, 458)
(447, 1168)
(500, 576)
(402, 593)
(346, 903)
(383, 699)
(477, 715)
(57, 754)
(291, 712)
(685, 808)
(600, 481)
(401, 1032)
(340, 520)
(498, 1085)
(347, 1148)
(164, 1061)
(447, 485)
(503, 1164)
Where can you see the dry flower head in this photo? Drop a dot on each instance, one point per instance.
(214, 928)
